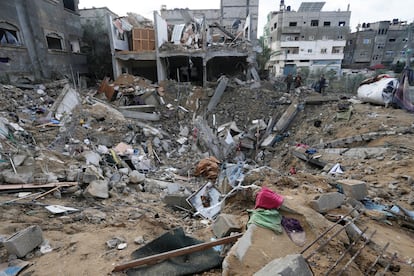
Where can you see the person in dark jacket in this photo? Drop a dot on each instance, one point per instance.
(298, 81)
(288, 81)
(322, 84)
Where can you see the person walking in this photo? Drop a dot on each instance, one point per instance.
(322, 84)
(288, 81)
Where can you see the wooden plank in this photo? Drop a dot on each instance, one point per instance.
(176, 252)
(35, 186)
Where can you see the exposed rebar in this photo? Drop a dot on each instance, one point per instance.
(357, 253)
(346, 251)
(327, 230)
(333, 236)
(377, 259)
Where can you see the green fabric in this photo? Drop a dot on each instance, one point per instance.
(267, 218)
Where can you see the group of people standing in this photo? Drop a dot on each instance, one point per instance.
(290, 80)
(297, 81)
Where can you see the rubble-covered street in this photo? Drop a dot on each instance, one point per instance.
(94, 174)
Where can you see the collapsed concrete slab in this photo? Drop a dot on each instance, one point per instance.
(291, 265)
(326, 202)
(287, 117)
(218, 93)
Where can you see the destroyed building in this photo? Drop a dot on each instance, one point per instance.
(382, 43)
(96, 41)
(308, 37)
(40, 39)
(189, 45)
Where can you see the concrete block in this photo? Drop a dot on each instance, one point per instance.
(24, 241)
(224, 224)
(179, 199)
(325, 202)
(354, 188)
(291, 265)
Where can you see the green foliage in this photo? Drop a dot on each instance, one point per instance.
(264, 56)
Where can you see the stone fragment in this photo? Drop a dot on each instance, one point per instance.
(136, 177)
(97, 188)
(325, 202)
(291, 265)
(224, 224)
(353, 188)
(24, 241)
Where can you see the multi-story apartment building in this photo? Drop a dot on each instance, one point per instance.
(40, 39)
(379, 44)
(308, 37)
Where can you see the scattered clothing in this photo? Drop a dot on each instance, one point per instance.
(270, 219)
(294, 230)
(267, 199)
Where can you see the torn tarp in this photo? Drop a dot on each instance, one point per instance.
(189, 264)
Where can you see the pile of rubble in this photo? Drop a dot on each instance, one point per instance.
(241, 179)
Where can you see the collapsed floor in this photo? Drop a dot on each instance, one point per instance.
(104, 141)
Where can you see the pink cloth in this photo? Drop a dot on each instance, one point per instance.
(267, 199)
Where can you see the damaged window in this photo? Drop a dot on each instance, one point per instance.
(323, 51)
(8, 34)
(326, 23)
(54, 41)
(336, 50)
(391, 40)
(275, 26)
(293, 24)
(314, 23)
(341, 24)
(8, 37)
(69, 4)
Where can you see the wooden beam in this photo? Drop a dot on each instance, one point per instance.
(36, 186)
(176, 252)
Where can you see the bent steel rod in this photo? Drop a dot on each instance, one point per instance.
(377, 259)
(346, 251)
(333, 236)
(357, 253)
(327, 230)
(389, 264)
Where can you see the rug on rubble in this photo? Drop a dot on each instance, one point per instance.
(294, 230)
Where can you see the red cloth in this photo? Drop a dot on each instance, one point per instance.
(267, 199)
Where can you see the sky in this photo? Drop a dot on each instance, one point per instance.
(367, 11)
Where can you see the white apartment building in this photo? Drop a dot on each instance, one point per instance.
(308, 37)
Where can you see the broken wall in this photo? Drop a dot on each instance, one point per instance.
(51, 42)
(95, 25)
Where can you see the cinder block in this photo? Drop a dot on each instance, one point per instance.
(291, 265)
(224, 224)
(24, 241)
(325, 202)
(354, 188)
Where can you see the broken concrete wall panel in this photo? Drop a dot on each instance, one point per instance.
(140, 115)
(66, 102)
(207, 139)
(287, 117)
(161, 28)
(218, 93)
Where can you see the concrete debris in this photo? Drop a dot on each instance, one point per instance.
(287, 266)
(24, 241)
(326, 202)
(138, 155)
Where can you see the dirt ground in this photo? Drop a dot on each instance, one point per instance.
(79, 240)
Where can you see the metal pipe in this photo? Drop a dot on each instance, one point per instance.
(333, 236)
(346, 251)
(357, 253)
(327, 230)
